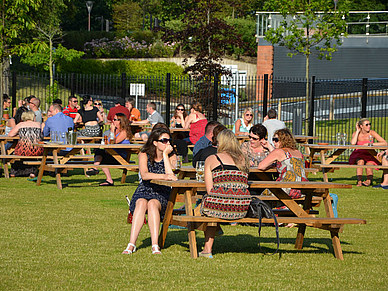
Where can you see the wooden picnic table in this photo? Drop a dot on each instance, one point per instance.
(329, 163)
(299, 214)
(64, 163)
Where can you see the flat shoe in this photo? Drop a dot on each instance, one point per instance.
(205, 255)
(106, 183)
(92, 172)
(378, 186)
(385, 187)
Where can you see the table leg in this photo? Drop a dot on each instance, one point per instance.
(57, 172)
(167, 217)
(191, 225)
(302, 227)
(42, 166)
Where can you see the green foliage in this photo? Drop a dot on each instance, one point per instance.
(246, 29)
(52, 92)
(127, 17)
(77, 39)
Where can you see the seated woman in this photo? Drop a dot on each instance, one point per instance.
(90, 116)
(155, 161)
(123, 134)
(226, 174)
(196, 122)
(30, 132)
(180, 117)
(11, 123)
(244, 124)
(289, 160)
(253, 148)
(384, 162)
(363, 136)
(98, 104)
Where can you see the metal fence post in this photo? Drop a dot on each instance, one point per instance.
(215, 97)
(123, 85)
(265, 95)
(311, 105)
(364, 97)
(168, 98)
(72, 84)
(13, 92)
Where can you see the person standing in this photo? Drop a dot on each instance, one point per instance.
(34, 106)
(272, 124)
(72, 108)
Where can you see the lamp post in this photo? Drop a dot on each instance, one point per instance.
(89, 6)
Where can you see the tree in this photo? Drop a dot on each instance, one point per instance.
(15, 18)
(306, 24)
(127, 17)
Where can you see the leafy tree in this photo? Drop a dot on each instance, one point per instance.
(127, 17)
(306, 24)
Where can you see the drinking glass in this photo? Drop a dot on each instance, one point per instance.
(176, 165)
(200, 171)
(344, 138)
(370, 140)
(339, 138)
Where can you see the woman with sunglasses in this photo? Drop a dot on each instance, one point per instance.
(244, 124)
(90, 116)
(253, 148)
(155, 161)
(364, 136)
(288, 159)
(122, 135)
(100, 107)
(180, 117)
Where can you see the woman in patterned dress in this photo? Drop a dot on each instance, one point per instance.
(30, 132)
(226, 175)
(155, 161)
(289, 160)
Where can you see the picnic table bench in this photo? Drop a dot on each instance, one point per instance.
(297, 214)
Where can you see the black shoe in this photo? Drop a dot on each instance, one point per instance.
(92, 172)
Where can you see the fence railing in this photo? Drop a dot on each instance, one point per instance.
(336, 104)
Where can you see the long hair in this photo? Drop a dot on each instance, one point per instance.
(184, 112)
(149, 147)
(124, 124)
(227, 142)
(286, 138)
(248, 109)
(216, 132)
(85, 100)
(196, 106)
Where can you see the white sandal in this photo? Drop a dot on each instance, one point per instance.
(156, 250)
(127, 251)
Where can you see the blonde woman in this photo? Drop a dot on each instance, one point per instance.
(363, 136)
(244, 124)
(226, 176)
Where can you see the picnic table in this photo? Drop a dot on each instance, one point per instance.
(298, 214)
(65, 163)
(330, 163)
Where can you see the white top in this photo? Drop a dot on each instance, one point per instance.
(273, 125)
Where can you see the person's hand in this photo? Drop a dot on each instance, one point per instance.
(20, 103)
(112, 127)
(170, 177)
(265, 143)
(168, 149)
(358, 128)
(265, 118)
(380, 154)
(180, 114)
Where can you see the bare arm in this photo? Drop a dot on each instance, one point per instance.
(208, 173)
(380, 140)
(99, 116)
(14, 131)
(189, 121)
(275, 155)
(237, 126)
(77, 118)
(355, 135)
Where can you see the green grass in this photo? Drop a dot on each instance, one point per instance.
(72, 239)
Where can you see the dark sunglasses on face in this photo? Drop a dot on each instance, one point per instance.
(164, 140)
(254, 138)
(248, 114)
(116, 119)
(367, 124)
(97, 103)
(180, 109)
(275, 139)
(75, 101)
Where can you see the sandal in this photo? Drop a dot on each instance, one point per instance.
(366, 184)
(106, 183)
(205, 255)
(92, 172)
(156, 250)
(127, 251)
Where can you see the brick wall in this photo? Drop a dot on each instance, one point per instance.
(264, 66)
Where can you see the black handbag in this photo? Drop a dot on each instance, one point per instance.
(259, 209)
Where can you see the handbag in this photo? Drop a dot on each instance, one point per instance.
(259, 209)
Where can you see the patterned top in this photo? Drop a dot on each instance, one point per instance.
(291, 169)
(28, 136)
(247, 150)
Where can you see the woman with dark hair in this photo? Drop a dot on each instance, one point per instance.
(155, 161)
(89, 114)
(122, 135)
(196, 122)
(288, 159)
(253, 147)
(180, 117)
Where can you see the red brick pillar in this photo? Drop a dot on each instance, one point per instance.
(264, 66)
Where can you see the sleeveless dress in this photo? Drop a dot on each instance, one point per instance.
(243, 127)
(229, 198)
(291, 169)
(148, 190)
(197, 130)
(362, 155)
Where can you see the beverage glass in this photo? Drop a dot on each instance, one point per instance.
(200, 171)
(339, 138)
(178, 162)
(370, 140)
(344, 138)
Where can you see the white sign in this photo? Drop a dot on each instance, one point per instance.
(238, 77)
(137, 89)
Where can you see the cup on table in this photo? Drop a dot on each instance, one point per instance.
(344, 138)
(370, 138)
(200, 171)
(71, 137)
(339, 138)
(55, 136)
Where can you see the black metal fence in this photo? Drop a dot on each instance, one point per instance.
(333, 105)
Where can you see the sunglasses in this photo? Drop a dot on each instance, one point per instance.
(275, 139)
(164, 140)
(254, 138)
(180, 109)
(248, 114)
(116, 119)
(75, 101)
(97, 103)
(367, 124)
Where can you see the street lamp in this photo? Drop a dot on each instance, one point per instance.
(89, 6)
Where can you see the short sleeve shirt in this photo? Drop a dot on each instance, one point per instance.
(70, 112)
(155, 117)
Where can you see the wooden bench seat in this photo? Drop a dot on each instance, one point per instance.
(347, 166)
(70, 165)
(280, 212)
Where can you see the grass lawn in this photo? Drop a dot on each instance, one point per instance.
(72, 239)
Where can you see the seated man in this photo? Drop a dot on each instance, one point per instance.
(118, 108)
(57, 122)
(153, 118)
(72, 108)
(206, 139)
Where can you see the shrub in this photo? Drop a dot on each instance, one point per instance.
(77, 39)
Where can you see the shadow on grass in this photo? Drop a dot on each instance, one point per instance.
(246, 243)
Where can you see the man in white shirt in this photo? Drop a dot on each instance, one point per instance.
(153, 118)
(272, 124)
